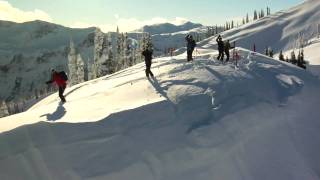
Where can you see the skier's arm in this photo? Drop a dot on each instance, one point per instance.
(50, 81)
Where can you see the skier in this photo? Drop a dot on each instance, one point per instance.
(147, 53)
(60, 79)
(220, 47)
(227, 48)
(191, 44)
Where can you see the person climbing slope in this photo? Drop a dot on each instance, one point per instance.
(147, 53)
(60, 79)
(191, 44)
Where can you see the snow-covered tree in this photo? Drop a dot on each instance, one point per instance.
(72, 64)
(4, 109)
(76, 66)
(80, 69)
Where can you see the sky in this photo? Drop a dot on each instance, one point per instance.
(133, 14)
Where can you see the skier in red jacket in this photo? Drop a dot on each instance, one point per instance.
(60, 81)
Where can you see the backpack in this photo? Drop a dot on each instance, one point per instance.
(193, 43)
(63, 75)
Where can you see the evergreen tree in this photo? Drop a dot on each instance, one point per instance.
(255, 15)
(268, 11)
(281, 57)
(267, 51)
(262, 13)
(80, 69)
(301, 63)
(243, 21)
(247, 18)
(232, 24)
(4, 111)
(259, 15)
(293, 58)
(72, 64)
(110, 60)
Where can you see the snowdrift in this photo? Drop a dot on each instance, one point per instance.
(201, 120)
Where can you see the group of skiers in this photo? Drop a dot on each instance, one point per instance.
(60, 78)
(223, 48)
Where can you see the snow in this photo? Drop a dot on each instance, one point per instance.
(199, 120)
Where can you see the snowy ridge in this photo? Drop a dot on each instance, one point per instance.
(200, 120)
(167, 28)
(282, 29)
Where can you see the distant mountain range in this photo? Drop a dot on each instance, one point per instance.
(168, 28)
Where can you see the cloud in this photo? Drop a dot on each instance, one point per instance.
(130, 24)
(10, 13)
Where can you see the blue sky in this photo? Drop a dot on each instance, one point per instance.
(129, 14)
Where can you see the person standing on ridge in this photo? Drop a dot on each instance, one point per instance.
(191, 44)
(227, 48)
(220, 47)
(147, 53)
(60, 79)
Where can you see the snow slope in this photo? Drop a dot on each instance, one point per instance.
(280, 31)
(202, 120)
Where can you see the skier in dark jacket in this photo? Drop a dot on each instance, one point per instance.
(227, 48)
(147, 53)
(191, 44)
(220, 48)
(60, 82)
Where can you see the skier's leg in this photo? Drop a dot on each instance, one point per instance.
(61, 91)
(228, 55)
(148, 71)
